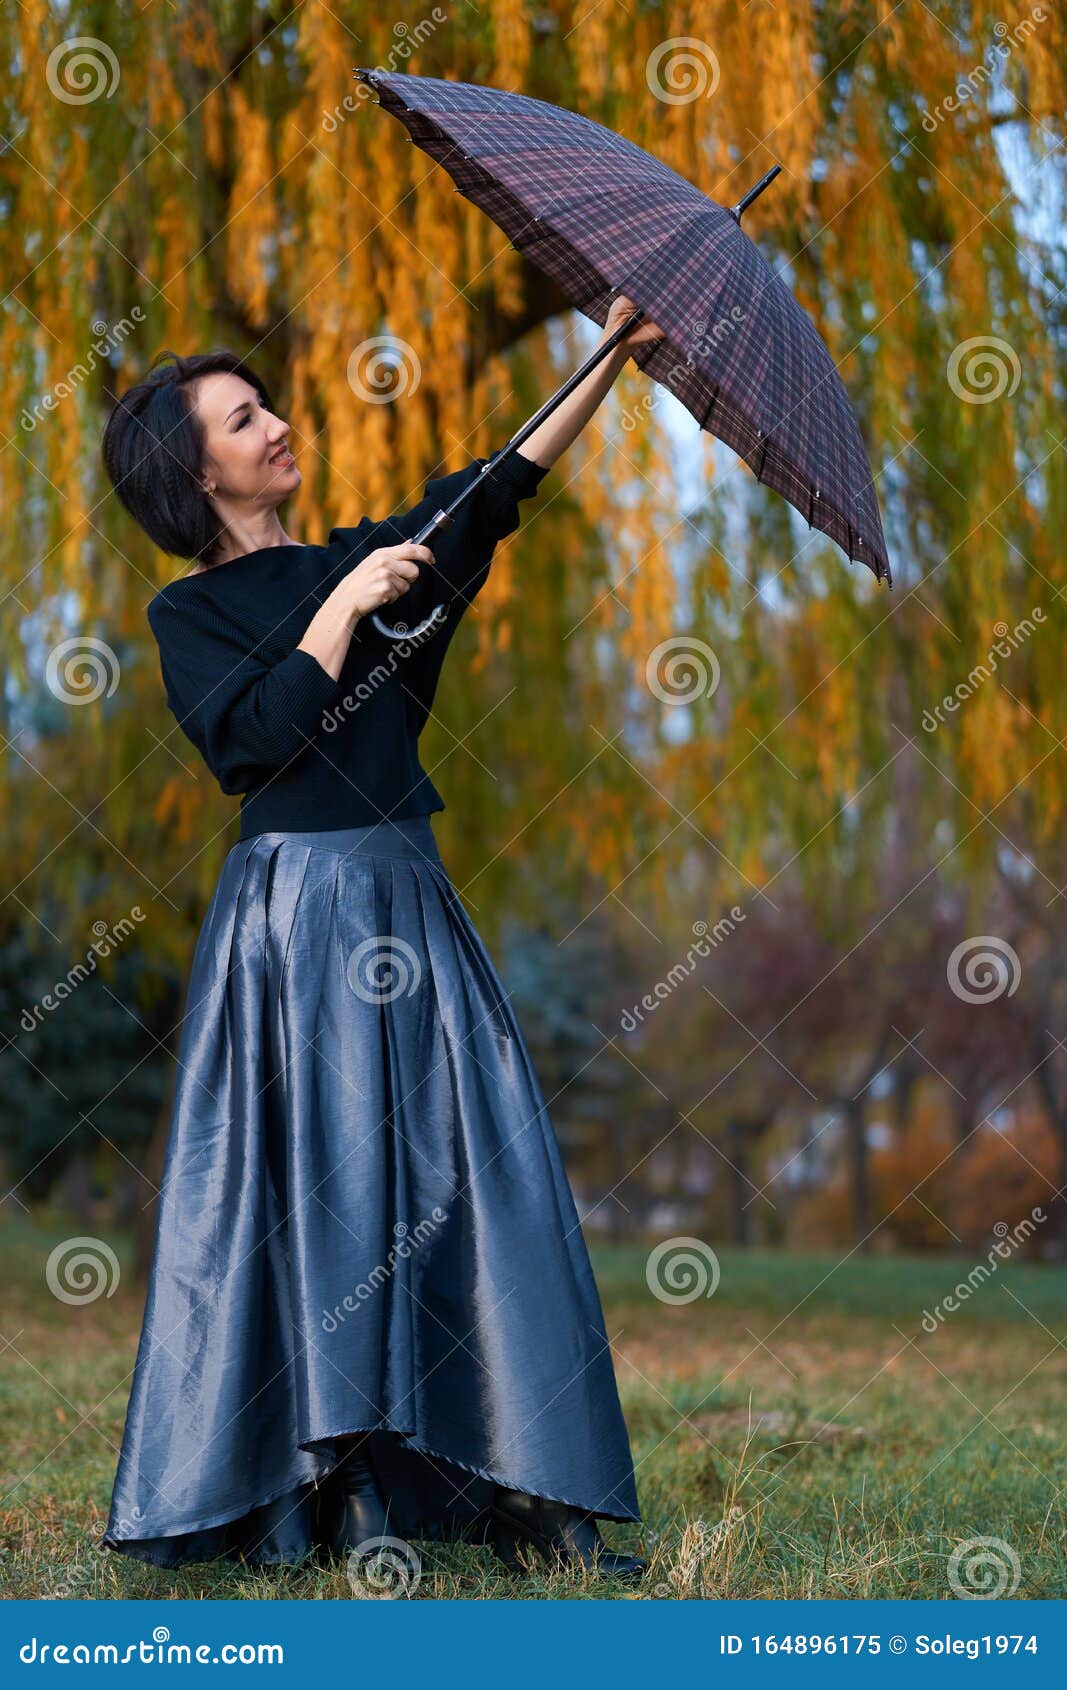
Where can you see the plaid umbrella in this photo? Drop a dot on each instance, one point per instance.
(602, 217)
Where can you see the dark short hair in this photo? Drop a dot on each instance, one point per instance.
(153, 452)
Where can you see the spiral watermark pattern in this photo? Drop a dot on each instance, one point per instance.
(982, 969)
(984, 1569)
(682, 1269)
(983, 369)
(383, 1568)
(682, 70)
(82, 70)
(681, 669)
(82, 1269)
(81, 670)
(383, 968)
(384, 369)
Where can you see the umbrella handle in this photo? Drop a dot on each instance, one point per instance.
(400, 631)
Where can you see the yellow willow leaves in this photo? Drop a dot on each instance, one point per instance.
(172, 230)
(342, 231)
(827, 700)
(511, 43)
(892, 32)
(787, 113)
(990, 725)
(594, 52)
(429, 269)
(1044, 785)
(1046, 68)
(252, 224)
(30, 94)
(833, 716)
(601, 834)
(178, 810)
(331, 54)
(646, 538)
(164, 105)
(200, 42)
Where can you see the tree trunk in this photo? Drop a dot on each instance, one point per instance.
(76, 1189)
(740, 1186)
(144, 1233)
(859, 1171)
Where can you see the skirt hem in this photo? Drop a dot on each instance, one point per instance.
(130, 1546)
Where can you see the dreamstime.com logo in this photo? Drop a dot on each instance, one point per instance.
(1009, 1239)
(105, 940)
(408, 38)
(400, 649)
(1007, 39)
(682, 1269)
(703, 337)
(158, 1650)
(698, 1555)
(1008, 640)
(408, 1240)
(984, 1569)
(108, 338)
(631, 1018)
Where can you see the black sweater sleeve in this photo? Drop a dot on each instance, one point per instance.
(248, 718)
(462, 556)
(463, 552)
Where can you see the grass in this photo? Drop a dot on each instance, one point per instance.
(799, 1434)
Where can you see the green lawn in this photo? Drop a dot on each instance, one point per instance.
(798, 1434)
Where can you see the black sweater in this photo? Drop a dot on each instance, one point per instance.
(307, 751)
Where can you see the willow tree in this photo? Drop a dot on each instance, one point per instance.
(198, 174)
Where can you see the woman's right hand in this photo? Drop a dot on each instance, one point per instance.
(384, 575)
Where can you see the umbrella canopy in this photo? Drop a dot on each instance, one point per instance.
(602, 217)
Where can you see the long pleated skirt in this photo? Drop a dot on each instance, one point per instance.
(364, 1225)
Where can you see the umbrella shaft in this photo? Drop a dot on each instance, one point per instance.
(443, 518)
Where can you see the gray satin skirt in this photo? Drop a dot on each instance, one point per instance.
(364, 1225)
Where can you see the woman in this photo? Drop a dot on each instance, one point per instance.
(371, 1313)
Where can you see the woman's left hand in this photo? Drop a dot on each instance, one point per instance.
(640, 334)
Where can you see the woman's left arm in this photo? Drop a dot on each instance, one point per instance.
(558, 431)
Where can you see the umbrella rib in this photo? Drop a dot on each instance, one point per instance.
(706, 418)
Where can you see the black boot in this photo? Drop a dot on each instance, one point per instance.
(355, 1510)
(564, 1536)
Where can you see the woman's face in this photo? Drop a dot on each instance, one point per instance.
(247, 464)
